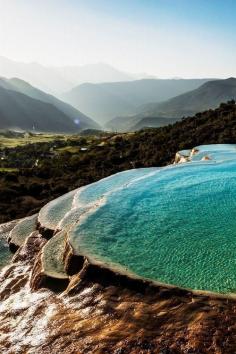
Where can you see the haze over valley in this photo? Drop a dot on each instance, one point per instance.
(106, 101)
(116, 105)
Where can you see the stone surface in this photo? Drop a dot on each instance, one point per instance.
(95, 308)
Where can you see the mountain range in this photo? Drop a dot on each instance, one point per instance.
(119, 106)
(105, 101)
(57, 80)
(207, 96)
(23, 106)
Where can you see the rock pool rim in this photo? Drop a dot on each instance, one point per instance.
(116, 267)
(119, 270)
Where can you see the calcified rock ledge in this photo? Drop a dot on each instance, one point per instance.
(101, 311)
(54, 300)
(82, 267)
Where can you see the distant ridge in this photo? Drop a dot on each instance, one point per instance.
(105, 101)
(93, 73)
(207, 96)
(25, 107)
(57, 80)
(36, 74)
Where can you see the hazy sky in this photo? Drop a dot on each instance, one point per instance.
(187, 38)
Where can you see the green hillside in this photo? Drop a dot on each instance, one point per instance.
(31, 174)
(18, 111)
(73, 115)
(207, 96)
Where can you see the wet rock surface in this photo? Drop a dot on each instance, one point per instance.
(54, 300)
(103, 312)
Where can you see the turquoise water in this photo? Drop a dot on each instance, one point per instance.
(175, 225)
(51, 214)
(96, 190)
(219, 152)
(5, 253)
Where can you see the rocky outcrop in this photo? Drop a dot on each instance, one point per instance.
(40, 279)
(105, 312)
(30, 249)
(96, 273)
(73, 263)
(48, 270)
(181, 158)
(18, 271)
(21, 231)
(91, 307)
